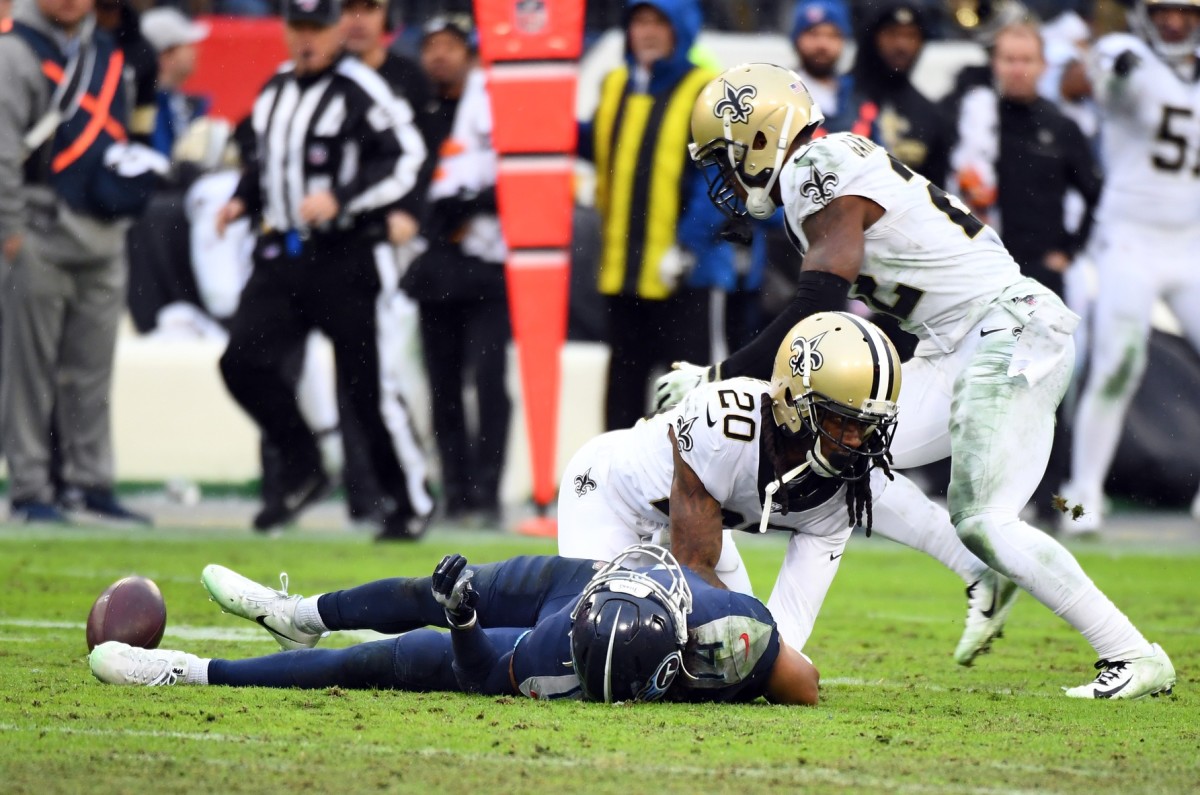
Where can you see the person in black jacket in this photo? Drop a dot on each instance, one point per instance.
(901, 118)
(1017, 156)
(336, 151)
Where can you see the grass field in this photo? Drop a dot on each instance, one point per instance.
(896, 713)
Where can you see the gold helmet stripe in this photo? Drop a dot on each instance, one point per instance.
(884, 377)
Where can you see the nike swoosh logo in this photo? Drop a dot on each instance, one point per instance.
(985, 332)
(746, 640)
(708, 416)
(835, 557)
(991, 611)
(262, 621)
(1098, 693)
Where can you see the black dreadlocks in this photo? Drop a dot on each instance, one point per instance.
(858, 491)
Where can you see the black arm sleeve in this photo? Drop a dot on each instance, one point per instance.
(1083, 174)
(816, 291)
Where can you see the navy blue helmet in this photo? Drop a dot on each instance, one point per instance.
(628, 629)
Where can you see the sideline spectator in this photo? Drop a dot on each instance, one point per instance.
(899, 117)
(323, 198)
(459, 281)
(660, 246)
(64, 245)
(174, 37)
(819, 32)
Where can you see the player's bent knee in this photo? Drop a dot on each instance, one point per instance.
(975, 531)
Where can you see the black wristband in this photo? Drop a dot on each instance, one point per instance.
(816, 291)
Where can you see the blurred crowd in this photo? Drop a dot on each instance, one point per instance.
(357, 202)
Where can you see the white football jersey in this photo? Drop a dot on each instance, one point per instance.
(927, 261)
(718, 429)
(1150, 134)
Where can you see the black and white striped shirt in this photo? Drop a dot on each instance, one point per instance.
(341, 130)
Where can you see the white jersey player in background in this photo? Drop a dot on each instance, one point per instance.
(1147, 226)
(995, 352)
(797, 455)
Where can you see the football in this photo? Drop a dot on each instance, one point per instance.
(130, 610)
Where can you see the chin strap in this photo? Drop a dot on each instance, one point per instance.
(774, 486)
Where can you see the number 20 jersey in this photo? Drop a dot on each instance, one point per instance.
(1150, 136)
(719, 430)
(927, 261)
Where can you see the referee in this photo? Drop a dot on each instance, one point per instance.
(335, 151)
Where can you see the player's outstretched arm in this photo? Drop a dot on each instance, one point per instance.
(794, 679)
(477, 661)
(835, 255)
(696, 523)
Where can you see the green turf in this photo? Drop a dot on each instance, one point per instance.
(896, 715)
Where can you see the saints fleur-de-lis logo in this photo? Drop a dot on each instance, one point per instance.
(584, 483)
(803, 347)
(736, 103)
(683, 433)
(820, 186)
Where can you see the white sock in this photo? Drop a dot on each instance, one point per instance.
(1045, 569)
(307, 617)
(197, 672)
(905, 515)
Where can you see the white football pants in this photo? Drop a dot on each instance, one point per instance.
(990, 405)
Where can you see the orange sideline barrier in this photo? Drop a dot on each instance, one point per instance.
(546, 181)
(530, 49)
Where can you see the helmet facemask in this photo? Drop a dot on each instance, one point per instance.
(743, 124)
(833, 422)
(723, 163)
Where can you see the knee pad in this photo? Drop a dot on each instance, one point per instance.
(976, 531)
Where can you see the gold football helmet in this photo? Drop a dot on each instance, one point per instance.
(1141, 24)
(836, 376)
(743, 123)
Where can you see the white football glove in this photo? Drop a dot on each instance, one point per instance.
(682, 378)
(675, 265)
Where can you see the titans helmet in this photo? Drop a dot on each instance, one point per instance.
(629, 629)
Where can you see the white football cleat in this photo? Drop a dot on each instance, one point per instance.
(121, 664)
(1137, 677)
(274, 611)
(989, 601)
